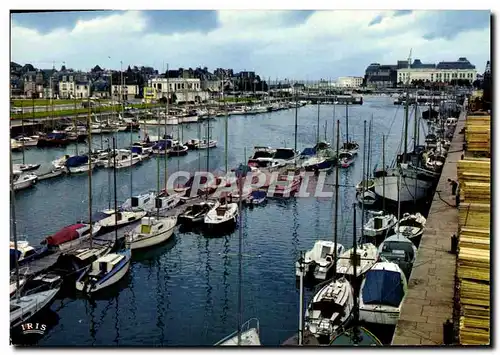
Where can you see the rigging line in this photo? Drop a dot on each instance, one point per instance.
(390, 128)
(439, 195)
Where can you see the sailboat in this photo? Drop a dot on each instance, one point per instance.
(152, 231)
(351, 147)
(367, 254)
(379, 224)
(248, 333)
(318, 262)
(196, 213)
(104, 272)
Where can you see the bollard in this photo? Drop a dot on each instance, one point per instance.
(447, 332)
(454, 244)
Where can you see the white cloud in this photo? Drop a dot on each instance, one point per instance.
(264, 41)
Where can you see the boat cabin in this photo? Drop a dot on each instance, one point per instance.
(140, 200)
(105, 264)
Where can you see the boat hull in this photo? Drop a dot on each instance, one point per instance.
(117, 276)
(149, 241)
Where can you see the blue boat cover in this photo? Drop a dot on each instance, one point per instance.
(383, 287)
(77, 160)
(162, 144)
(258, 194)
(56, 135)
(136, 149)
(308, 152)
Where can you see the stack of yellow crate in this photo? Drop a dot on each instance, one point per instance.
(477, 134)
(473, 264)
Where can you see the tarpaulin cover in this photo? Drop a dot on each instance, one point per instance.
(56, 135)
(65, 235)
(77, 160)
(383, 287)
(258, 194)
(136, 149)
(308, 151)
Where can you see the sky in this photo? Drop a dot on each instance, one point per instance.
(293, 44)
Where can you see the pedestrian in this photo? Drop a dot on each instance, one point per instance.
(457, 199)
(454, 186)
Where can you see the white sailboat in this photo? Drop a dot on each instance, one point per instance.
(104, 272)
(330, 310)
(382, 294)
(249, 335)
(152, 231)
(119, 219)
(222, 216)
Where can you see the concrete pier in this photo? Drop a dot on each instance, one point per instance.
(429, 302)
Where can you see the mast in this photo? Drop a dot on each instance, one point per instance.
(240, 242)
(354, 262)
(406, 109)
(296, 120)
(326, 128)
(364, 178)
(368, 162)
(114, 191)
(226, 143)
(301, 300)
(347, 121)
(90, 170)
(158, 166)
(166, 117)
(415, 125)
(333, 123)
(14, 222)
(336, 217)
(383, 173)
(317, 125)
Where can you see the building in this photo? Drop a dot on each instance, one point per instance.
(125, 92)
(443, 72)
(66, 87)
(350, 81)
(179, 88)
(33, 84)
(381, 76)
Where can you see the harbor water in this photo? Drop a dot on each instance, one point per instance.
(184, 293)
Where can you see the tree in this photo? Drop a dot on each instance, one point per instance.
(63, 68)
(129, 70)
(96, 69)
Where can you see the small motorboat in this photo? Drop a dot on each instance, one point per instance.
(206, 144)
(318, 262)
(23, 277)
(399, 250)
(367, 254)
(249, 335)
(25, 253)
(23, 181)
(78, 164)
(25, 167)
(257, 197)
(346, 159)
(411, 226)
(196, 213)
(152, 231)
(330, 310)
(119, 219)
(222, 216)
(124, 158)
(104, 272)
(54, 172)
(316, 163)
(178, 150)
(27, 142)
(15, 146)
(379, 225)
(382, 293)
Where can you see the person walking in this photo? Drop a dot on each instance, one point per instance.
(454, 186)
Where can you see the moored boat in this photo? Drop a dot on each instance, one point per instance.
(152, 231)
(318, 262)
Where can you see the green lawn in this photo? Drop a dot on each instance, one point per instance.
(59, 113)
(45, 102)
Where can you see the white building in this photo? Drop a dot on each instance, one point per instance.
(126, 92)
(184, 89)
(436, 75)
(349, 81)
(82, 90)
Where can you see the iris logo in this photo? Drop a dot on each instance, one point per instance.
(33, 328)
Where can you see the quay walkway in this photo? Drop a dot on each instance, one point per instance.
(431, 288)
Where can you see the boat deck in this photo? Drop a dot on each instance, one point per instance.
(429, 302)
